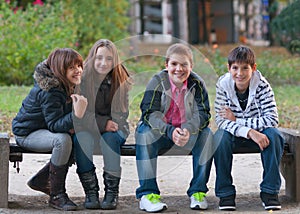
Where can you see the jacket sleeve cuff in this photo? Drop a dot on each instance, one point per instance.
(240, 121)
(243, 132)
(170, 130)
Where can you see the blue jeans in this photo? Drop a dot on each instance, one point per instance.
(270, 157)
(148, 144)
(42, 140)
(110, 144)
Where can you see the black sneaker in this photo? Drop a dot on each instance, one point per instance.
(227, 203)
(270, 201)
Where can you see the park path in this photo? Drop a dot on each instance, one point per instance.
(174, 177)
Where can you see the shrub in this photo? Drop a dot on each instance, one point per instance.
(27, 37)
(96, 19)
(285, 27)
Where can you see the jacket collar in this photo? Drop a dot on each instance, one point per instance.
(227, 84)
(44, 77)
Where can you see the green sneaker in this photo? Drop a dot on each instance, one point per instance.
(198, 201)
(151, 203)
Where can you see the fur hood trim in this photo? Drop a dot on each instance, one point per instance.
(44, 77)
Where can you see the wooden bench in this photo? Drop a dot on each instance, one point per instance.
(290, 164)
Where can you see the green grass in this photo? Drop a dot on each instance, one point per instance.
(287, 98)
(10, 101)
(288, 102)
(279, 67)
(11, 97)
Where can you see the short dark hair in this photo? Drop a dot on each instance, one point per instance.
(241, 54)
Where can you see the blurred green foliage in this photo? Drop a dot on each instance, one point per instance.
(96, 19)
(28, 35)
(285, 27)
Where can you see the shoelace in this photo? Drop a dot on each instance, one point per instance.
(154, 198)
(199, 196)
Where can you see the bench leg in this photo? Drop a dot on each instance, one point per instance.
(290, 166)
(287, 168)
(296, 186)
(4, 170)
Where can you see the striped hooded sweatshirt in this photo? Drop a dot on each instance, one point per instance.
(157, 100)
(260, 112)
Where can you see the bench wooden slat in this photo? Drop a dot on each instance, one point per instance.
(129, 150)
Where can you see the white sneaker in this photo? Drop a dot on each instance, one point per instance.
(198, 201)
(151, 203)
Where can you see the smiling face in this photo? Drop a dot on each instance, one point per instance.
(103, 60)
(241, 65)
(74, 73)
(241, 74)
(179, 68)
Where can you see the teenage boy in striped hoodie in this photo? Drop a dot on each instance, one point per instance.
(246, 115)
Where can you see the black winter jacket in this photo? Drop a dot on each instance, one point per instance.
(96, 116)
(45, 107)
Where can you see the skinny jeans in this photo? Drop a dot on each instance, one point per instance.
(42, 140)
(110, 144)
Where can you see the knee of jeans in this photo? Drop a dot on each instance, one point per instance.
(83, 138)
(206, 135)
(64, 142)
(222, 138)
(146, 152)
(144, 137)
(117, 138)
(271, 131)
(275, 137)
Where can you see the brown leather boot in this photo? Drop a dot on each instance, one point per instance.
(58, 196)
(40, 181)
(111, 196)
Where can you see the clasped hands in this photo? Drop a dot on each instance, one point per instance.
(180, 136)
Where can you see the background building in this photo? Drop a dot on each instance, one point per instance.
(203, 21)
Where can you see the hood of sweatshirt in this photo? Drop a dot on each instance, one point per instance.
(45, 77)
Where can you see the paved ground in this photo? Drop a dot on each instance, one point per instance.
(174, 176)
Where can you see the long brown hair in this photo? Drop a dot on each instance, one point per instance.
(59, 60)
(121, 80)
